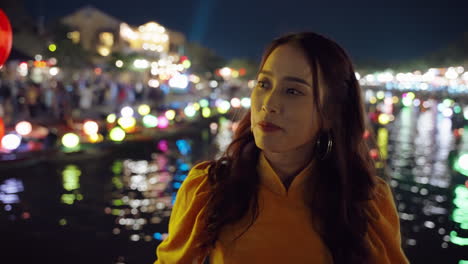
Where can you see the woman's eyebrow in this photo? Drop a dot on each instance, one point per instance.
(296, 79)
(287, 78)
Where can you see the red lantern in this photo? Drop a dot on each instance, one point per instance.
(6, 37)
(2, 128)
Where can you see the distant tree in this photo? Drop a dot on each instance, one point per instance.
(67, 53)
(204, 61)
(454, 54)
(249, 65)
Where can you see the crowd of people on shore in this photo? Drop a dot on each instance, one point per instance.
(56, 99)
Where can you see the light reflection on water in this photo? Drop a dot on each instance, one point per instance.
(423, 182)
(127, 199)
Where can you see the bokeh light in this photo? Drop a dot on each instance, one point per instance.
(70, 140)
(90, 127)
(206, 112)
(23, 128)
(127, 122)
(223, 107)
(144, 109)
(127, 111)
(190, 111)
(111, 118)
(204, 103)
(384, 119)
(11, 141)
(163, 122)
(245, 102)
(235, 102)
(117, 134)
(150, 121)
(170, 114)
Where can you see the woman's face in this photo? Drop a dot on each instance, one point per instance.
(283, 114)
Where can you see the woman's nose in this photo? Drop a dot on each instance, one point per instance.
(271, 104)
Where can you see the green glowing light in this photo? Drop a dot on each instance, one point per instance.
(150, 121)
(118, 202)
(461, 165)
(455, 239)
(111, 118)
(448, 102)
(206, 112)
(63, 221)
(117, 168)
(52, 47)
(190, 111)
(68, 198)
(186, 64)
(382, 142)
(70, 140)
(117, 134)
(71, 180)
(204, 103)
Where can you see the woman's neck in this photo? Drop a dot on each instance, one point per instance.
(287, 165)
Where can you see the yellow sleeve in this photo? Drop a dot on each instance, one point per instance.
(185, 222)
(384, 228)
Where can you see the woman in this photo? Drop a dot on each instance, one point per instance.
(297, 184)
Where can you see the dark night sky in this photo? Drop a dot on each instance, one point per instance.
(241, 28)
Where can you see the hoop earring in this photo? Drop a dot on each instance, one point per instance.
(322, 155)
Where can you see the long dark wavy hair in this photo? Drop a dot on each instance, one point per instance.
(346, 176)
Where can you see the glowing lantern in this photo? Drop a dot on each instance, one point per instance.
(127, 111)
(224, 107)
(23, 128)
(127, 122)
(70, 140)
(206, 112)
(2, 128)
(111, 118)
(163, 145)
(170, 114)
(11, 141)
(6, 37)
(461, 165)
(117, 134)
(90, 128)
(52, 47)
(144, 109)
(384, 119)
(95, 138)
(204, 103)
(235, 102)
(190, 111)
(150, 121)
(163, 122)
(245, 102)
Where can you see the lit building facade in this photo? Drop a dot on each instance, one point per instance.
(104, 34)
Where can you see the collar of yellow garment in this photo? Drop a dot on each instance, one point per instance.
(272, 181)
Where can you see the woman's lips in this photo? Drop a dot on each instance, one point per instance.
(268, 127)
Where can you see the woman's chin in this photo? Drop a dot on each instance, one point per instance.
(271, 146)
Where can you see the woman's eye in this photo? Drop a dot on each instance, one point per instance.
(293, 91)
(262, 84)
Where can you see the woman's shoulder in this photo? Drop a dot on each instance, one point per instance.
(382, 203)
(196, 181)
(382, 189)
(198, 173)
